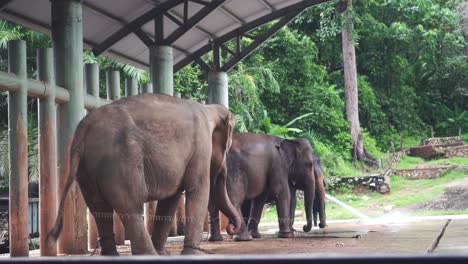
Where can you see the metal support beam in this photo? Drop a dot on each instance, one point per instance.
(135, 24)
(18, 152)
(216, 57)
(67, 40)
(131, 87)
(159, 30)
(48, 180)
(144, 37)
(161, 69)
(242, 54)
(193, 21)
(248, 27)
(218, 88)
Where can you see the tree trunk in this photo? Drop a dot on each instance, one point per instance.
(351, 89)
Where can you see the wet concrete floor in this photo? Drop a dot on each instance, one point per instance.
(371, 238)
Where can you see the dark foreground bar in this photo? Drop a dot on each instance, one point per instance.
(228, 259)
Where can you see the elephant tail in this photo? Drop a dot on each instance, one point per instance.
(71, 168)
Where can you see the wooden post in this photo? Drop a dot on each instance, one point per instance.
(47, 152)
(18, 153)
(67, 41)
(113, 93)
(92, 87)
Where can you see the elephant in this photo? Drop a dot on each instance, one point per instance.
(316, 207)
(317, 203)
(144, 148)
(260, 167)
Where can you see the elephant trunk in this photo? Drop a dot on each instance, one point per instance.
(309, 195)
(225, 205)
(320, 193)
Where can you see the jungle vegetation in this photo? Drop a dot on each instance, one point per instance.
(412, 77)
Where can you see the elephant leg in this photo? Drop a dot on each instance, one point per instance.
(283, 201)
(245, 208)
(103, 215)
(244, 234)
(163, 221)
(292, 209)
(134, 224)
(196, 207)
(215, 232)
(256, 214)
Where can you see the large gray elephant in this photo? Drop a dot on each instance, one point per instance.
(260, 167)
(151, 147)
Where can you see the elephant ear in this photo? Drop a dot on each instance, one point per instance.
(288, 151)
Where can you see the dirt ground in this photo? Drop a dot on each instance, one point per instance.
(455, 197)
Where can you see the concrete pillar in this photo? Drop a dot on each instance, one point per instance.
(161, 69)
(113, 84)
(92, 88)
(131, 87)
(47, 152)
(113, 93)
(147, 88)
(218, 94)
(18, 153)
(218, 88)
(92, 79)
(67, 41)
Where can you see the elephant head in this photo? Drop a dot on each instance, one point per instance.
(305, 172)
(221, 143)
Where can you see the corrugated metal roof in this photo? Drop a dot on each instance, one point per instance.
(103, 20)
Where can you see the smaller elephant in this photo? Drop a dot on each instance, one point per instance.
(262, 167)
(316, 207)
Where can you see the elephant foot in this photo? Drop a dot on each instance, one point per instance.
(286, 234)
(190, 250)
(163, 252)
(243, 237)
(215, 237)
(108, 246)
(255, 234)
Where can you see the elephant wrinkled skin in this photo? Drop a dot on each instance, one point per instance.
(150, 147)
(263, 167)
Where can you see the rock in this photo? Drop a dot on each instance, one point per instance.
(388, 208)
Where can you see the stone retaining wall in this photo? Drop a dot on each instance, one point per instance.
(455, 151)
(373, 183)
(424, 173)
(441, 141)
